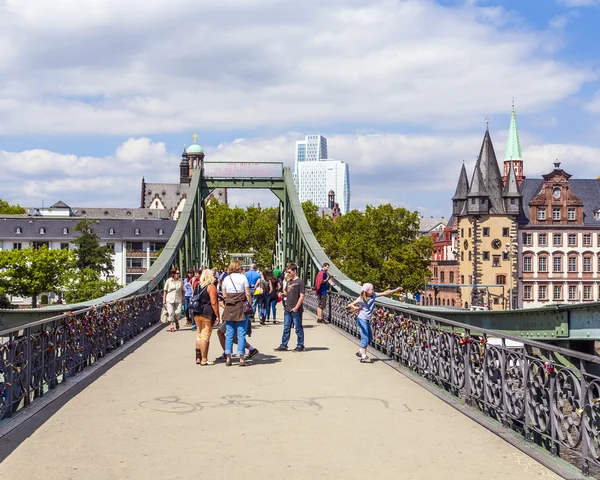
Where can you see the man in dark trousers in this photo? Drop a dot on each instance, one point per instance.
(294, 297)
(321, 287)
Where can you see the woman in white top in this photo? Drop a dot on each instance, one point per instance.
(173, 297)
(236, 291)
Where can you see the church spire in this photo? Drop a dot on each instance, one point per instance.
(512, 154)
(460, 196)
(513, 146)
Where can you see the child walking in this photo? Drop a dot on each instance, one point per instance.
(365, 305)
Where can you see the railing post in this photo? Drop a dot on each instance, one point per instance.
(585, 452)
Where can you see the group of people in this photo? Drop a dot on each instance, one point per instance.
(242, 296)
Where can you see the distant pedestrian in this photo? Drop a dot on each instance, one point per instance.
(321, 286)
(365, 305)
(173, 293)
(253, 275)
(187, 283)
(236, 292)
(272, 297)
(293, 309)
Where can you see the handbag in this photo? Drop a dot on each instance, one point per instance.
(164, 315)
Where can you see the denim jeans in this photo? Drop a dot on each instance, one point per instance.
(271, 305)
(186, 306)
(231, 328)
(366, 332)
(254, 302)
(296, 319)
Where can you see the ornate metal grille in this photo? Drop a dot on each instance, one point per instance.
(549, 394)
(39, 356)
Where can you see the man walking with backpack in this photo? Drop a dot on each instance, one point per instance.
(293, 309)
(321, 287)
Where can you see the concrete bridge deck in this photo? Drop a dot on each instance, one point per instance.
(310, 415)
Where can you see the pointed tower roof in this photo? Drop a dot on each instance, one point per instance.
(478, 187)
(487, 165)
(511, 189)
(513, 147)
(462, 188)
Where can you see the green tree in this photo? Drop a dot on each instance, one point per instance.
(381, 246)
(87, 285)
(90, 254)
(29, 272)
(7, 209)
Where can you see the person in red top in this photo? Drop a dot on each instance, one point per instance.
(321, 286)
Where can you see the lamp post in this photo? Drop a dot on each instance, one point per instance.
(512, 251)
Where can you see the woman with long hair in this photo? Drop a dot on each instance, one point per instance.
(273, 294)
(187, 282)
(236, 291)
(365, 305)
(207, 316)
(173, 293)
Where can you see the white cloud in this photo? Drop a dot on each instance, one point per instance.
(579, 3)
(137, 68)
(594, 105)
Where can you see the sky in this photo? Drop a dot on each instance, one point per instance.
(96, 94)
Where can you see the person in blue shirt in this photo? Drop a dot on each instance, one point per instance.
(253, 276)
(321, 286)
(364, 305)
(188, 294)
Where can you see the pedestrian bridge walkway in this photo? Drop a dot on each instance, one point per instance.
(309, 415)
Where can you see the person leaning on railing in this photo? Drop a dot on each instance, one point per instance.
(173, 297)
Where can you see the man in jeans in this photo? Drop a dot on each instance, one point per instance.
(294, 297)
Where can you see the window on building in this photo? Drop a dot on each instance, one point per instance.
(471, 279)
(111, 231)
(527, 292)
(543, 292)
(134, 246)
(111, 246)
(462, 279)
(469, 232)
(557, 292)
(542, 264)
(135, 262)
(451, 275)
(17, 246)
(542, 239)
(557, 239)
(161, 231)
(136, 231)
(571, 214)
(527, 264)
(513, 201)
(64, 246)
(496, 261)
(453, 303)
(572, 239)
(486, 231)
(541, 214)
(156, 246)
(18, 231)
(38, 245)
(587, 239)
(597, 215)
(470, 256)
(556, 214)
(527, 239)
(65, 231)
(462, 256)
(505, 255)
(557, 264)
(435, 272)
(587, 292)
(505, 232)
(486, 256)
(442, 279)
(587, 264)
(573, 292)
(572, 264)
(42, 231)
(501, 279)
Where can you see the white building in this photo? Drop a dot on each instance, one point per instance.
(316, 176)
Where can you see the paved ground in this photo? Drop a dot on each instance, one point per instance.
(311, 415)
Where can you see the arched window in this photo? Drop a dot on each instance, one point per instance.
(111, 231)
(161, 231)
(467, 305)
(501, 279)
(65, 231)
(42, 231)
(18, 231)
(137, 231)
(453, 303)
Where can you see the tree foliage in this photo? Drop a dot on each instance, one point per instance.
(7, 209)
(381, 246)
(29, 272)
(90, 254)
(239, 230)
(87, 285)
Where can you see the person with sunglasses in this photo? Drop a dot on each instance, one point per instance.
(173, 294)
(293, 293)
